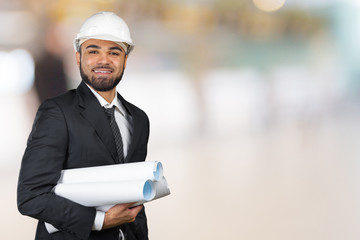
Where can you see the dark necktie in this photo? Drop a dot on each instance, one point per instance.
(116, 132)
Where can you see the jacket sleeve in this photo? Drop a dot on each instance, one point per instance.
(40, 170)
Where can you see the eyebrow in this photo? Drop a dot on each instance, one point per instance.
(116, 48)
(110, 48)
(93, 46)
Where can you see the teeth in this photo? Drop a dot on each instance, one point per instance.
(97, 71)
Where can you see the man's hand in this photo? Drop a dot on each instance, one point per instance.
(120, 214)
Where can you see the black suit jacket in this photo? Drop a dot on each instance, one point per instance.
(71, 131)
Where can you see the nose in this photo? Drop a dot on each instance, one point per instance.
(103, 58)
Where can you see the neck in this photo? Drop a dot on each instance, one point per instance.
(108, 95)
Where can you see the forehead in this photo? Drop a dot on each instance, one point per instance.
(102, 44)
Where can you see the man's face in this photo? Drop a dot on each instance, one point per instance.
(101, 64)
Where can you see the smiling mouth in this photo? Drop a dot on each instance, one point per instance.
(102, 71)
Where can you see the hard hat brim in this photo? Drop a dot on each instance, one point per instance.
(105, 37)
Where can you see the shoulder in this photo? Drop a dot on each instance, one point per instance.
(49, 121)
(54, 108)
(67, 97)
(63, 101)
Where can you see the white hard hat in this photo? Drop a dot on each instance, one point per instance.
(105, 26)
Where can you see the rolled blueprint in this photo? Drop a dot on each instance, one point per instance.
(105, 193)
(105, 186)
(161, 189)
(112, 173)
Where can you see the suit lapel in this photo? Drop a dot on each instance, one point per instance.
(136, 126)
(94, 114)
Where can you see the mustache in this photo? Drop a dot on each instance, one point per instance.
(103, 66)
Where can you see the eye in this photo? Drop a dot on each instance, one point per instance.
(114, 53)
(93, 52)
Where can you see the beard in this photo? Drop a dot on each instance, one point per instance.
(101, 84)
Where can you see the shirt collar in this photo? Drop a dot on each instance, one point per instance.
(115, 102)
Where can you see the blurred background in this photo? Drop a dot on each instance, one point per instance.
(253, 105)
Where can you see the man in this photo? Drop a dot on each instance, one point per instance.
(75, 130)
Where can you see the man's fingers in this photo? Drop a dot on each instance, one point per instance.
(126, 207)
(123, 205)
(130, 205)
(120, 214)
(136, 209)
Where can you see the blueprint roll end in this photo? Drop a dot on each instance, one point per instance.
(148, 190)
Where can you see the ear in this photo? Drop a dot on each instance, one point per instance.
(78, 58)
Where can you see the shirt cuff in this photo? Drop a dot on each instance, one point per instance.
(99, 221)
